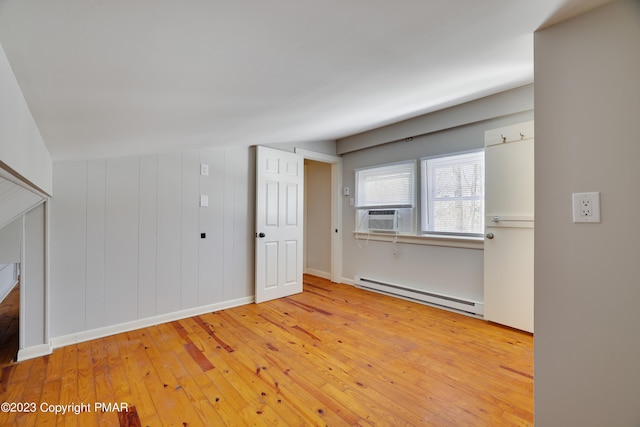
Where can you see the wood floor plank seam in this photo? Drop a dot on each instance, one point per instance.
(332, 355)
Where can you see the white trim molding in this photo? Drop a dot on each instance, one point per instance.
(106, 331)
(432, 240)
(34, 351)
(318, 273)
(336, 207)
(318, 157)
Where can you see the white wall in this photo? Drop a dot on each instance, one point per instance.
(8, 279)
(10, 242)
(126, 244)
(10, 238)
(22, 149)
(587, 286)
(505, 103)
(34, 275)
(451, 271)
(324, 147)
(318, 218)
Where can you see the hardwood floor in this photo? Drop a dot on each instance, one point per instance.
(9, 326)
(334, 355)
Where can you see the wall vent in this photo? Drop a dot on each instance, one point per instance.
(438, 300)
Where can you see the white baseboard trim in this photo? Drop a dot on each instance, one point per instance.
(318, 273)
(106, 331)
(34, 351)
(348, 281)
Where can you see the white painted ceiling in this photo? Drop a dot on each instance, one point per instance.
(108, 78)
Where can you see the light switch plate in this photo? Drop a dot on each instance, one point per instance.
(204, 201)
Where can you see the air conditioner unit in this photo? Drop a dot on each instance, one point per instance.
(382, 220)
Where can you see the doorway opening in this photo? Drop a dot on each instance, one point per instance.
(317, 219)
(10, 290)
(322, 215)
(280, 241)
(10, 322)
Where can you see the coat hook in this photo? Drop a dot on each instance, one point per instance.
(504, 138)
(521, 135)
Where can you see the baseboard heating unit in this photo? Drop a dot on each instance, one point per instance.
(438, 300)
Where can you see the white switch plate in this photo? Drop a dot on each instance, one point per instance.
(204, 201)
(586, 207)
(346, 191)
(204, 169)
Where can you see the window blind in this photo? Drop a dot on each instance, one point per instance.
(387, 186)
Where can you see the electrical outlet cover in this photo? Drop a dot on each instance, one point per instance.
(586, 207)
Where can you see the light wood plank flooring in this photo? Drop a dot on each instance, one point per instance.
(333, 355)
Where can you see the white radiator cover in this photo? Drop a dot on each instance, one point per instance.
(468, 307)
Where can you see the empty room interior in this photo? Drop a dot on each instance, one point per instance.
(348, 212)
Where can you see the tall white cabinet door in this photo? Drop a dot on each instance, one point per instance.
(509, 230)
(279, 230)
(508, 277)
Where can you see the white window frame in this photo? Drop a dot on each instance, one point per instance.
(406, 204)
(427, 204)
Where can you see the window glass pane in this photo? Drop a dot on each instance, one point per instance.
(453, 194)
(462, 216)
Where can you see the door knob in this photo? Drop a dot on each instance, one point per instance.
(489, 236)
(261, 235)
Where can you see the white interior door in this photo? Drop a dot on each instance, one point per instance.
(509, 228)
(279, 228)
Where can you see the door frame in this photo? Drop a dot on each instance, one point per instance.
(336, 206)
(44, 348)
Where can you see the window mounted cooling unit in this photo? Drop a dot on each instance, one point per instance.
(382, 220)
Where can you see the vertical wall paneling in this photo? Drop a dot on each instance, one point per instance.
(33, 292)
(121, 249)
(169, 244)
(96, 194)
(244, 223)
(190, 228)
(68, 248)
(125, 237)
(147, 231)
(228, 237)
(210, 265)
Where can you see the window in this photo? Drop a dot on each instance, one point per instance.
(453, 194)
(387, 187)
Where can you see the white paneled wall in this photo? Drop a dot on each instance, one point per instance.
(125, 237)
(95, 243)
(8, 279)
(69, 250)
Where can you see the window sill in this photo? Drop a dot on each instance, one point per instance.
(432, 240)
